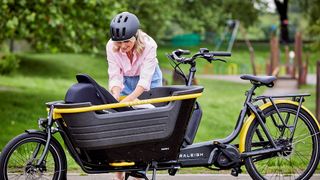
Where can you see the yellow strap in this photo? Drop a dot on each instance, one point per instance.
(57, 112)
(119, 164)
(122, 97)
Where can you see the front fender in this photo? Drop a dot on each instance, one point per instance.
(249, 121)
(53, 139)
(34, 131)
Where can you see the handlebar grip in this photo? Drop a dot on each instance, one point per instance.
(185, 52)
(180, 52)
(221, 53)
(176, 55)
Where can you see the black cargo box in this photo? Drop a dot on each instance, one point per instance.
(133, 135)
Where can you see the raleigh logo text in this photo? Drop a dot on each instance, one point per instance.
(191, 155)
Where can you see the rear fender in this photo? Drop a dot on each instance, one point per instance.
(250, 119)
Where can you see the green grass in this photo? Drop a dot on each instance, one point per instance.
(46, 77)
(310, 101)
(221, 103)
(41, 78)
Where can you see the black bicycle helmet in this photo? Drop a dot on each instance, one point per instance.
(123, 26)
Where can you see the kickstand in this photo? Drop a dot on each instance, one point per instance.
(154, 173)
(136, 174)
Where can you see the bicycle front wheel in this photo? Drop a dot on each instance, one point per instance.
(19, 159)
(300, 145)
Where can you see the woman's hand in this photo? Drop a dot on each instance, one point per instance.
(115, 91)
(134, 95)
(116, 96)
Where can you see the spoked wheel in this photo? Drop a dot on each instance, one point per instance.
(299, 156)
(20, 156)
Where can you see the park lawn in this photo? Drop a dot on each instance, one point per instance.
(240, 59)
(46, 77)
(239, 62)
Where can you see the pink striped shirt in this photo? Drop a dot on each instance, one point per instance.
(119, 64)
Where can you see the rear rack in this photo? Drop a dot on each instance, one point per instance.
(294, 96)
(299, 98)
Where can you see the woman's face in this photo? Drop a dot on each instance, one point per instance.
(127, 45)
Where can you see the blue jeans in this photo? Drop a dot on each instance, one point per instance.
(130, 82)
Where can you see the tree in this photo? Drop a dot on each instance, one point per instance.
(75, 25)
(207, 15)
(282, 9)
(83, 25)
(155, 16)
(312, 10)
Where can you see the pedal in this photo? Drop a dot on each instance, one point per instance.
(236, 171)
(136, 174)
(173, 170)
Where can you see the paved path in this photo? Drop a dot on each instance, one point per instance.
(231, 78)
(283, 87)
(165, 177)
(311, 78)
(176, 177)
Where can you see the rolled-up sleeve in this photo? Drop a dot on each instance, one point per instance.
(148, 68)
(114, 70)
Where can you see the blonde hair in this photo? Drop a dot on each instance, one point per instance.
(139, 44)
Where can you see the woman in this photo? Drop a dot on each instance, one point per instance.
(132, 60)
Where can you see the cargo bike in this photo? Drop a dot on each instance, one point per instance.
(278, 138)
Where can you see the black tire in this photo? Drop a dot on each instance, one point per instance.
(16, 159)
(300, 156)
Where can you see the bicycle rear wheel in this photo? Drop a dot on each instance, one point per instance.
(19, 159)
(299, 157)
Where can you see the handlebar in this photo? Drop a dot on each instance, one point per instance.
(203, 53)
(226, 54)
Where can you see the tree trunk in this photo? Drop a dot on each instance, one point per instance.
(11, 45)
(282, 9)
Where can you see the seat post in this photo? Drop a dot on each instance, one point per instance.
(250, 92)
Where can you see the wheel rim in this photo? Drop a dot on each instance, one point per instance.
(22, 160)
(298, 154)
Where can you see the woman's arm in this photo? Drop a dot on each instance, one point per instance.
(134, 95)
(114, 73)
(115, 91)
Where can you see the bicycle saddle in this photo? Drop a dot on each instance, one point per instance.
(260, 80)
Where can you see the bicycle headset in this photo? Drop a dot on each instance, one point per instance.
(123, 26)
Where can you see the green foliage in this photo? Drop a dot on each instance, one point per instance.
(312, 10)
(200, 17)
(8, 63)
(75, 25)
(155, 16)
(241, 10)
(161, 19)
(83, 25)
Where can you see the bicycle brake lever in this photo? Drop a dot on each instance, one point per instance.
(215, 59)
(170, 56)
(222, 60)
